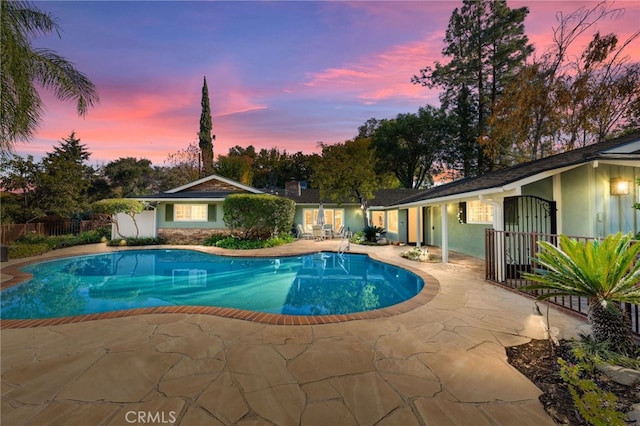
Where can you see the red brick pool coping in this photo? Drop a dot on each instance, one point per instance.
(428, 292)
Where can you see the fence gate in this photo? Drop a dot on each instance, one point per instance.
(525, 217)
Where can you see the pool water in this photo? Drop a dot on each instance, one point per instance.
(315, 284)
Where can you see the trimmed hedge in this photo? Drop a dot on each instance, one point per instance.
(258, 216)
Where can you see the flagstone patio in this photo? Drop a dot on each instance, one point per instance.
(440, 363)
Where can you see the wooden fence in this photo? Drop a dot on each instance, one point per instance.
(509, 254)
(9, 233)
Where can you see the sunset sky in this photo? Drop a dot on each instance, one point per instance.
(281, 74)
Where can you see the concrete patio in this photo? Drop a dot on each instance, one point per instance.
(442, 363)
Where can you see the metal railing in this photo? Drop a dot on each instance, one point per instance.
(509, 254)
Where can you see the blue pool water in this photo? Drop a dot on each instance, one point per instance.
(315, 284)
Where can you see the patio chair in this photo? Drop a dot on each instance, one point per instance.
(303, 234)
(327, 230)
(339, 233)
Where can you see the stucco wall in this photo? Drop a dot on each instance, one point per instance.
(127, 228)
(466, 238)
(577, 215)
(543, 189)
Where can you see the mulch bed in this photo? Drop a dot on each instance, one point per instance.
(537, 360)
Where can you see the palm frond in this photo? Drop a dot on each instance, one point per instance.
(604, 270)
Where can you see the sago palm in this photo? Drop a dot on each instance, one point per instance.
(604, 271)
(22, 67)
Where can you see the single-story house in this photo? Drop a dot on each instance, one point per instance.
(194, 211)
(587, 192)
(187, 213)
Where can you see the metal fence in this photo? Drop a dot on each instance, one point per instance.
(9, 233)
(509, 254)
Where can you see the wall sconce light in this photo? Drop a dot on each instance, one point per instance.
(619, 186)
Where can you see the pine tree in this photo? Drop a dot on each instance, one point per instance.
(205, 136)
(486, 44)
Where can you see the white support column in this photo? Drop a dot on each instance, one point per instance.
(557, 197)
(444, 246)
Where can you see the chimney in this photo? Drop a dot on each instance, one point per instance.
(292, 189)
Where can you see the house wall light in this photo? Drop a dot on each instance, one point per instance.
(619, 186)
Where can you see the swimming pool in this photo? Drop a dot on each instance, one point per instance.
(322, 283)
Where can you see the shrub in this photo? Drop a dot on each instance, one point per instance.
(258, 216)
(371, 233)
(417, 254)
(36, 244)
(140, 241)
(357, 238)
(234, 243)
(19, 250)
(213, 239)
(596, 406)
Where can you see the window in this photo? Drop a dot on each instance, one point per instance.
(392, 221)
(479, 212)
(377, 219)
(334, 217)
(190, 212)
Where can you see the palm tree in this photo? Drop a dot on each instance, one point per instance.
(22, 66)
(605, 272)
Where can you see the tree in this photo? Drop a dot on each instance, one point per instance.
(129, 176)
(22, 67)
(557, 103)
(113, 206)
(486, 44)
(410, 145)
(606, 272)
(184, 166)
(347, 172)
(66, 178)
(205, 136)
(234, 167)
(21, 177)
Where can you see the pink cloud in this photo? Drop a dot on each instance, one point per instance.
(384, 75)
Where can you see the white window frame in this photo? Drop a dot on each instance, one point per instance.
(190, 212)
(479, 212)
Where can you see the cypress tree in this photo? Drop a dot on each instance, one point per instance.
(205, 136)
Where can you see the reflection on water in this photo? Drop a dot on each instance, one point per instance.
(316, 284)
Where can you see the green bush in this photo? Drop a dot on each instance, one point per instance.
(32, 238)
(213, 239)
(139, 241)
(258, 216)
(357, 238)
(595, 405)
(61, 241)
(234, 243)
(371, 233)
(20, 250)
